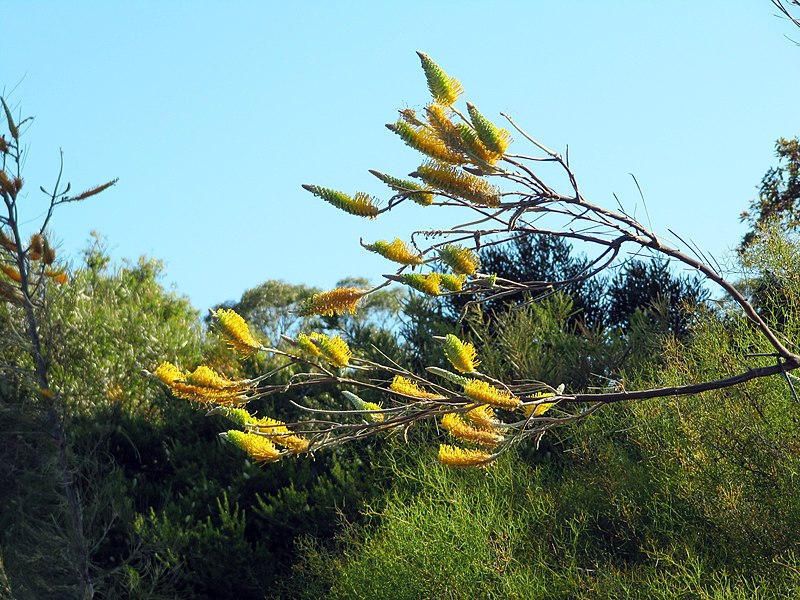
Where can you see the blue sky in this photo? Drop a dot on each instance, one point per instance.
(213, 114)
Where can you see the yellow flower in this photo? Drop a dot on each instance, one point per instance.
(539, 409)
(396, 250)
(334, 349)
(361, 205)
(494, 138)
(206, 377)
(454, 456)
(462, 260)
(482, 415)
(60, 277)
(454, 283)
(405, 386)
(459, 428)
(304, 343)
(259, 448)
(12, 273)
(443, 88)
(424, 140)
(179, 384)
(236, 332)
(485, 393)
(445, 129)
(359, 404)
(458, 183)
(334, 302)
(280, 434)
(413, 190)
(427, 284)
(462, 355)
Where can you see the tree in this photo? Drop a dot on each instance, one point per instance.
(29, 270)
(778, 195)
(467, 158)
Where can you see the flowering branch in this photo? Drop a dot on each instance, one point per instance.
(508, 197)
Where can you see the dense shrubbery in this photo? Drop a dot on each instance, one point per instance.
(655, 499)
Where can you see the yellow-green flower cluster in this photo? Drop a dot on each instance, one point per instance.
(360, 404)
(334, 302)
(482, 416)
(236, 332)
(396, 251)
(460, 138)
(203, 385)
(424, 140)
(539, 409)
(462, 355)
(485, 393)
(494, 138)
(258, 447)
(453, 456)
(462, 260)
(458, 183)
(443, 88)
(460, 429)
(453, 283)
(333, 349)
(361, 204)
(405, 386)
(280, 434)
(427, 284)
(276, 430)
(416, 192)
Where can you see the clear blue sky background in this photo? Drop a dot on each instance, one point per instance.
(213, 114)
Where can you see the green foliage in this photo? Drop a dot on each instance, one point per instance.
(778, 194)
(664, 498)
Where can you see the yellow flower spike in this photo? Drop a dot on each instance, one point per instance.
(495, 139)
(281, 435)
(168, 373)
(453, 283)
(49, 254)
(423, 140)
(259, 448)
(443, 88)
(475, 148)
(236, 332)
(416, 192)
(409, 115)
(334, 302)
(359, 404)
(482, 416)
(36, 247)
(396, 251)
(539, 409)
(309, 347)
(240, 417)
(334, 349)
(178, 383)
(485, 393)
(60, 277)
(6, 242)
(427, 284)
(445, 129)
(405, 386)
(461, 430)
(206, 377)
(462, 260)
(453, 456)
(458, 183)
(462, 355)
(361, 205)
(11, 272)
